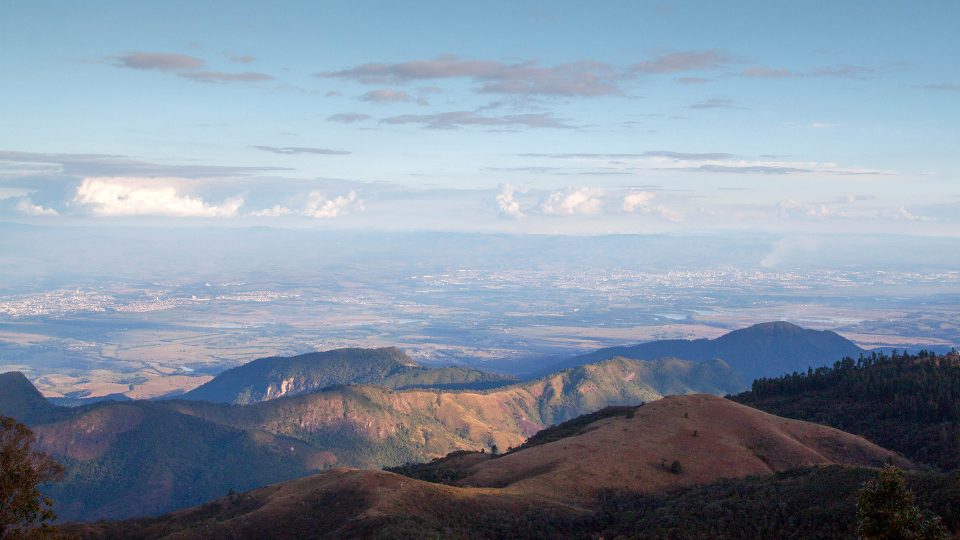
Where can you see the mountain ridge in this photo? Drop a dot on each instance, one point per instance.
(553, 487)
(273, 377)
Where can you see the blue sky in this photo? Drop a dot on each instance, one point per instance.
(558, 117)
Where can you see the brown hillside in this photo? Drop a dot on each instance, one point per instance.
(635, 453)
(341, 503)
(549, 481)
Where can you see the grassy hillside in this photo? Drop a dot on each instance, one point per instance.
(374, 427)
(270, 378)
(148, 457)
(761, 350)
(908, 403)
(720, 499)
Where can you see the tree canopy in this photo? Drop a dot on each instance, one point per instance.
(23, 509)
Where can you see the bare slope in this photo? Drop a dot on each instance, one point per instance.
(710, 437)
(136, 458)
(373, 427)
(506, 496)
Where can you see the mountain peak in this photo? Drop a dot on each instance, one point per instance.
(775, 326)
(21, 400)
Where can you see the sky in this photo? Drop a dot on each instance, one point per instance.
(519, 117)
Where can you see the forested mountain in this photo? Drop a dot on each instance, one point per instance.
(138, 457)
(762, 350)
(606, 474)
(270, 378)
(908, 403)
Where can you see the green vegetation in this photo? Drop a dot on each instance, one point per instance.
(449, 469)
(818, 502)
(171, 461)
(24, 512)
(907, 403)
(886, 510)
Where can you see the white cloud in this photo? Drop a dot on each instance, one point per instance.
(274, 211)
(111, 196)
(508, 206)
(637, 199)
(26, 206)
(318, 206)
(572, 201)
(905, 214)
(790, 208)
(667, 213)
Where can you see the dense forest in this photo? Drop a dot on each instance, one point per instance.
(908, 403)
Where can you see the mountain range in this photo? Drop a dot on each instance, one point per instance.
(671, 443)
(147, 457)
(281, 418)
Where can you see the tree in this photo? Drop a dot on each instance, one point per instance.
(676, 467)
(886, 511)
(23, 510)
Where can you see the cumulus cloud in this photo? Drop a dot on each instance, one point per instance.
(790, 208)
(348, 118)
(318, 206)
(506, 203)
(274, 211)
(28, 207)
(641, 202)
(906, 215)
(586, 78)
(571, 201)
(386, 95)
(108, 197)
(290, 150)
(455, 119)
(667, 213)
(637, 199)
(159, 61)
(676, 62)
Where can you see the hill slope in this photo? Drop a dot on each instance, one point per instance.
(21, 400)
(549, 490)
(709, 436)
(373, 426)
(910, 404)
(148, 457)
(270, 378)
(762, 350)
(141, 458)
